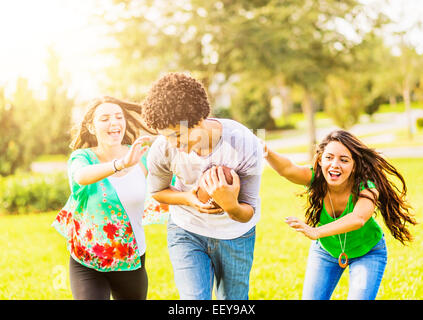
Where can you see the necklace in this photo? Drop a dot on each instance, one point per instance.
(342, 255)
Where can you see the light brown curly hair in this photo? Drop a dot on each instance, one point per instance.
(173, 99)
(82, 138)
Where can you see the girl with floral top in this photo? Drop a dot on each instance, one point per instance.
(102, 219)
(347, 182)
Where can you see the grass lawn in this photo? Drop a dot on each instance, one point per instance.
(34, 259)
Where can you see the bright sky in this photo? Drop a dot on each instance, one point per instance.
(406, 15)
(28, 27)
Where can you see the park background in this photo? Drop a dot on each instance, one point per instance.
(291, 71)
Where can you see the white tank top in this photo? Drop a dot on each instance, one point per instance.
(131, 190)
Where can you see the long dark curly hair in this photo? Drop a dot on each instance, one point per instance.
(368, 165)
(82, 138)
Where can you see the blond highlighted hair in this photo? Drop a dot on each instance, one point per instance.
(82, 138)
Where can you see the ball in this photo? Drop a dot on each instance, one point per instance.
(202, 194)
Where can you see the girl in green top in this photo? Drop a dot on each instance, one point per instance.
(347, 183)
(102, 217)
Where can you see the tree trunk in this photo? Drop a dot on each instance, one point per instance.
(308, 110)
(406, 97)
(392, 100)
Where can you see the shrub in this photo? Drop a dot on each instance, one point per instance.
(24, 192)
(252, 108)
(419, 123)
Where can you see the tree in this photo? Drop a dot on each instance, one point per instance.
(297, 41)
(56, 109)
(410, 64)
(361, 87)
(10, 154)
(251, 105)
(30, 127)
(19, 130)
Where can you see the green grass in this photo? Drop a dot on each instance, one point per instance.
(34, 259)
(399, 107)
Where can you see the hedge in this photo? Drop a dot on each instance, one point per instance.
(33, 192)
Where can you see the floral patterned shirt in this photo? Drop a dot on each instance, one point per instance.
(94, 222)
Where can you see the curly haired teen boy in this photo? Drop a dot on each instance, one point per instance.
(206, 243)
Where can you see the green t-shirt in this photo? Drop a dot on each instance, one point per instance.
(358, 242)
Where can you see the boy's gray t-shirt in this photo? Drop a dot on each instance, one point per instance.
(239, 149)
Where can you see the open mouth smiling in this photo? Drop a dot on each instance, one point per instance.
(334, 174)
(115, 132)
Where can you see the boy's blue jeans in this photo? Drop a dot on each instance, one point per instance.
(198, 261)
(323, 273)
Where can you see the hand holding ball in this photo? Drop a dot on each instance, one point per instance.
(202, 194)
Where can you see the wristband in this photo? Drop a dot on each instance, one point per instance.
(114, 166)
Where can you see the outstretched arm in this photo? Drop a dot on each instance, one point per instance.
(363, 210)
(286, 168)
(96, 172)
